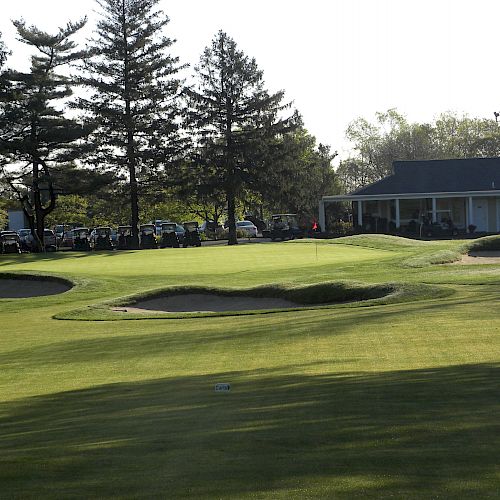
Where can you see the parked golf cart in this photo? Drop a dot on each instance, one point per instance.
(59, 231)
(168, 236)
(191, 235)
(180, 231)
(9, 242)
(124, 238)
(148, 238)
(213, 231)
(102, 238)
(81, 239)
(24, 235)
(443, 227)
(49, 241)
(285, 226)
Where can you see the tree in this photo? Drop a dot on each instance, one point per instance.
(70, 208)
(465, 137)
(302, 175)
(234, 120)
(377, 145)
(3, 215)
(133, 94)
(39, 134)
(3, 90)
(3, 52)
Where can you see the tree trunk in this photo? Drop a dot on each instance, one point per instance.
(131, 161)
(38, 239)
(134, 207)
(232, 240)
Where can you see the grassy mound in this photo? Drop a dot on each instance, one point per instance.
(320, 293)
(488, 243)
(434, 258)
(320, 296)
(379, 241)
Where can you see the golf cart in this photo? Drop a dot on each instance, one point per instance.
(10, 242)
(285, 226)
(59, 231)
(124, 238)
(102, 238)
(443, 227)
(81, 241)
(148, 239)
(168, 235)
(191, 236)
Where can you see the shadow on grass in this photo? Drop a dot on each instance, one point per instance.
(170, 339)
(406, 434)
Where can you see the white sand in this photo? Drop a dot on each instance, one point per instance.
(198, 302)
(19, 289)
(483, 257)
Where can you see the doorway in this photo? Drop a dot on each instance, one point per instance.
(481, 215)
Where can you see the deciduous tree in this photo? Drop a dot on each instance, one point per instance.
(300, 177)
(392, 137)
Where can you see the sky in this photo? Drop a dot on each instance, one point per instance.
(337, 60)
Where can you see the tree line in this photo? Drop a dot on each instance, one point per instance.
(375, 145)
(113, 128)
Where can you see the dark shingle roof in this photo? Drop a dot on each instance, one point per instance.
(436, 176)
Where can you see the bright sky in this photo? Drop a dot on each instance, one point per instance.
(336, 59)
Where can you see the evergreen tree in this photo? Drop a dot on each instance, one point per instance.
(133, 94)
(234, 120)
(4, 98)
(3, 52)
(40, 135)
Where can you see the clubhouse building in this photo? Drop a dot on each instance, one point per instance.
(465, 193)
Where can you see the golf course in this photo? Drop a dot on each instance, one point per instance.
(379, 378)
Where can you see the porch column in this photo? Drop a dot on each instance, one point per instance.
(470, 213)
(434, 210)
(322, 217)
(360, 213)
(398, 220)
(466, 208)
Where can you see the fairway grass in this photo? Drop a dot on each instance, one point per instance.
(385, 399)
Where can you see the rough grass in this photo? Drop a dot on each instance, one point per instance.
(397, 399)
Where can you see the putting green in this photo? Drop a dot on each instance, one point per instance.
(394, 398)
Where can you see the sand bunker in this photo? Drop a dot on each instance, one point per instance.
(482, 257)
(20, 289)
(199, 302)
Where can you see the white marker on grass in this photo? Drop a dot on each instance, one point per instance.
(222, 387)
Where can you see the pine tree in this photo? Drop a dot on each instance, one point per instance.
(40, 135)
(3, 52)
(3, 88)
(133, 94)
(234, 119)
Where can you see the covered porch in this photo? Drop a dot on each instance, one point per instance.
(408, 213)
